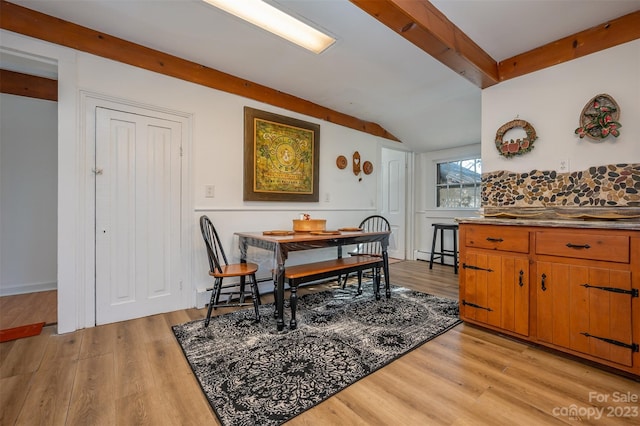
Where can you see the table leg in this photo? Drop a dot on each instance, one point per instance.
(385, 257)
(279, 297)
(376, 280)
(243, 259)
(340, 279)
(293, 300)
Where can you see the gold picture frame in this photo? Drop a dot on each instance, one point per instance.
(281, 158)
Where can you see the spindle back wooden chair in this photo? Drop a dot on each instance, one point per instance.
(219, 268)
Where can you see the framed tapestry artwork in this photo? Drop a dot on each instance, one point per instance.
(280, 157)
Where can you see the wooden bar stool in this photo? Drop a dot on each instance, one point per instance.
(439, 228)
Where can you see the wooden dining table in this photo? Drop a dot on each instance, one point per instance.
(281, 245)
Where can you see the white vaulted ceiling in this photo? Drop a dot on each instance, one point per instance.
(371, 72)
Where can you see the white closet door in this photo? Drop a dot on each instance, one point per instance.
(138, 204)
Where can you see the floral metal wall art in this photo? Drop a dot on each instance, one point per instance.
(599, 118)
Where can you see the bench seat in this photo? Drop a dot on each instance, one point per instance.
(304, 273)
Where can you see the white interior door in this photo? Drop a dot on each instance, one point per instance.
(138, 221)
(394, 184)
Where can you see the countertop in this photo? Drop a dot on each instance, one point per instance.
(624, 224)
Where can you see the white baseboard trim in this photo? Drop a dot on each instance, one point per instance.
(203, 295)
(421, 255)
(426, 256)
(27, 288)
(202, 298)
(265, 286)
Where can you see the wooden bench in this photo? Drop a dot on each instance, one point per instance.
(300, 274)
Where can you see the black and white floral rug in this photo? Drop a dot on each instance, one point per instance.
(254, 375)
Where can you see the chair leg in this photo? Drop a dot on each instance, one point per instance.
(213, 301)
(455, 251)
(433, 247)
(376, 282)
(359, 282)
(256, 296)
(217, 289)
(343, 278)
(243, 283)
(208, 317)
(442, 246)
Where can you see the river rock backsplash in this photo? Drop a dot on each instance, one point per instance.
(612, 185)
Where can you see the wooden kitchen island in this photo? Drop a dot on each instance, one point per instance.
(571, 285)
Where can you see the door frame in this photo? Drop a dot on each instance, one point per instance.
(89, 101)
(408, 191)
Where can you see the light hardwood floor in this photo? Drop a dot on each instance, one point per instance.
(25, 309)
(134, 373)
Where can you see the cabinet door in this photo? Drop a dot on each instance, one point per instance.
(610, 315)
(554, 306)
(585, 309)
(515, 294)
(496, 291)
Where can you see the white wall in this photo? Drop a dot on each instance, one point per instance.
(71, 252)
(551, 100)
(218, 140)
(426, 213)
(216, 159)
(28, 194)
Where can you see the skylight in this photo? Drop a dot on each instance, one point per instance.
(269, 18)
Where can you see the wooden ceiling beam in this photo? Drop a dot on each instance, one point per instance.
(16, 83)
(426, 27)
(25, 21)
(429, 29)
(604, 36)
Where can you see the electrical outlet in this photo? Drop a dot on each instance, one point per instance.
(563, 166)
(327, 198)
(209, 191)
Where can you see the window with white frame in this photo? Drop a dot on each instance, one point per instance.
(458, 183)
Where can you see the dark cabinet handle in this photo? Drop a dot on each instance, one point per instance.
(544, 277)
(475, 268)
(520, 282)
(495, 240)
(578, 246)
